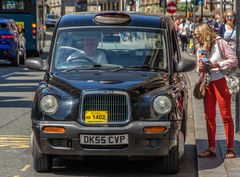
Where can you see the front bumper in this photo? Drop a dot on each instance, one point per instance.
(140, 142)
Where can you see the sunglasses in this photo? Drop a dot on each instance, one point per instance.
(230, 17)
(196, 35)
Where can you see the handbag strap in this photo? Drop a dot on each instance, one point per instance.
(220, 49)
(232, 32)
(203, 77)
(223, 58)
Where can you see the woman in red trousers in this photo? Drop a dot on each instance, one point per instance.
(217, 91)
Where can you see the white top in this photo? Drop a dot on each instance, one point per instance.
(216, 73)
(99, 57)
(231, 39)
(215, 54)
(183, 29)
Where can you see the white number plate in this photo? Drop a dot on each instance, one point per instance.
(104, 139)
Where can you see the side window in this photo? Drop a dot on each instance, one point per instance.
(4, 26)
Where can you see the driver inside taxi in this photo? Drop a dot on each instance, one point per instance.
(90, 43)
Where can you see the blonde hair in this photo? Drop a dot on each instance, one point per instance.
(208, 36)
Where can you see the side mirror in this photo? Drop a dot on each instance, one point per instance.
(36, 64)
(185, 65)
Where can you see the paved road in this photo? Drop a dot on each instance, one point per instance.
(17, 87)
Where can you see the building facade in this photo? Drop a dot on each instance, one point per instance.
(210, 7)
(62, 7)
(54, 6)
(70, 6)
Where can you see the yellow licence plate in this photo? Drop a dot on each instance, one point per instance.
(98, 117)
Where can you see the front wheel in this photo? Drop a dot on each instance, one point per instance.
(41, 162)
(170, 163)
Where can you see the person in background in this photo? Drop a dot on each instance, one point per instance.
(177, 23)
(183, 34)
(216, 23)
(210, 21)
(191, 28)
(216, 89)
(227, 30)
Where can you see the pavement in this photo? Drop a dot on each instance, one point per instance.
(218, 166)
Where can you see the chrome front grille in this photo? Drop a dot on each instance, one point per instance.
(116, 103)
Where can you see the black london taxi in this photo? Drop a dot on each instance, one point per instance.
(114, 85)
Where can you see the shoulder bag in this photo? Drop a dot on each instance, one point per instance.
(230, 75)
(200, 87)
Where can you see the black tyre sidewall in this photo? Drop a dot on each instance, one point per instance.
(15, 61)
(23, 58)
(170, 163)
(41, 162)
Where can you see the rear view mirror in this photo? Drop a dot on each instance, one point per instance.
(111, 39)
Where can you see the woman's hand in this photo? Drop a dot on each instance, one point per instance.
(215, 65)
(200, 66)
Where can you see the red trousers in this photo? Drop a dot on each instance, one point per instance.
(217, 91)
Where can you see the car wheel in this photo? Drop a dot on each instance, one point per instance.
(15, 61)
(170, 163)
(41, 162)
(23, 58)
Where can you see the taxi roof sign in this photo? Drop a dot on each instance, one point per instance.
(112, 18)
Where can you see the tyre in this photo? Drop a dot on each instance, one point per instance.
(184, 126)
(170, 163)
(23, 58)
(41, 162)
(16, 61)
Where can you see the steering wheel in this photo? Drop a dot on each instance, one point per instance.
(81, 59)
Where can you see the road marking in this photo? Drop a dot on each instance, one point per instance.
(9, 74)
(25, 168)
(15, 141)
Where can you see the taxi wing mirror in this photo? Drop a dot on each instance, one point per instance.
(37, 64)
(185, 65)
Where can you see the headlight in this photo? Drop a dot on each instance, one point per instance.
(162, 104)
(48, 104)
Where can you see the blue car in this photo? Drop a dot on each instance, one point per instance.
(12, 42)
(51, 20)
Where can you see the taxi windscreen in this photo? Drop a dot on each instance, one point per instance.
(126, 46)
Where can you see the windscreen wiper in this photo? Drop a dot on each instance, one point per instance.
(89, 67)
(145, 67)
(73, 69)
